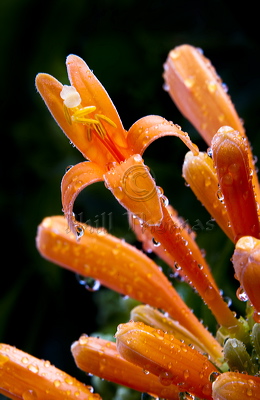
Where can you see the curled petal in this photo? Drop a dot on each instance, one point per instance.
(76, 179)
(246, 262)
(101, 358)
(236, 386)
(147, 129)
(175, 362)
(135, 189)
(198, 92)
(23, 376)
(198, 171)
(230, 156)
(120, 267)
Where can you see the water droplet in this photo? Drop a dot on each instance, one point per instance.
(25, 360)
(155, 243)
(213, 376)
(118, 192)
(57, 383)
(249, 392)
(212, 86)
(83, 339)
(256, 316)
(165, 378)
(186, 374)
(33, 368)
(79, 231)
(241, 294)
(89, 283)
(220, 196)
(146, 372)
(164, 200)
(227, 179)
(209, 293)
(186, 396)
(29, 395)
(189, 82)
(68, 168)
(210, 152)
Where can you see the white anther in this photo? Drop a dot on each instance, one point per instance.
(70, 96)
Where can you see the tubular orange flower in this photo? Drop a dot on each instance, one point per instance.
(174, 363)
(25, 377)
(88, 117)
(198, 92)
(246, 260)
(120, 267)
(199, 173)
(235, 386)
(101, 358)
(230, 156)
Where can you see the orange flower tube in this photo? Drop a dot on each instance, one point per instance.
(236, 386)
(118, 266)
(230, 156)
(166, 357)
(25, 377)
(101, 358)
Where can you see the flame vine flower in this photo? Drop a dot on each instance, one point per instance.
(163, 350)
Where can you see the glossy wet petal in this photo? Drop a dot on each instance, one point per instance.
(246, 262)
(236, 386)
(170, 237)
(50, 89)
(200, 175)
(25, 377)
(150, 128)
(73, 182)
(93, 93)
(101, 358)
(120, 267)
(135, 189)
(198, 92)
(230, 156)
(174, 363)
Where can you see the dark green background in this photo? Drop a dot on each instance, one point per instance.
(42, 308)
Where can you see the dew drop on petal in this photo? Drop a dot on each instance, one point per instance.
(29, 395)
(165, 378)
(89, 283)
(241, 294)
(213, 376)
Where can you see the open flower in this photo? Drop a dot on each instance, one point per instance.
(88, 117)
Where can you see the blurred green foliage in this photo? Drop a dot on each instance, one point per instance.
(42, 308)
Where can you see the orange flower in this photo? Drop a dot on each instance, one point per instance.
(101, 358)
(172, 361)
(235, 386)
(120, 267)
(246, 260)
(88, 117)
(23, 376)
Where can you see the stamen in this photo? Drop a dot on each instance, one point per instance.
(70, 96)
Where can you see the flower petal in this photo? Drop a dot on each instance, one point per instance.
(200, 175)
(147, 129)
(120, 267)
(133, 186)
(230, 156)
(175, 362)
(246, 262)
(236, 386)
(93, 93)
(74, 181)
(101, 358)
(198, 92)
(187, 256)
(23, 376)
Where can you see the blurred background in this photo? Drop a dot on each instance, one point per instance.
(43, 309)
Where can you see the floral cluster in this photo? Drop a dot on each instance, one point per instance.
(164, 349)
